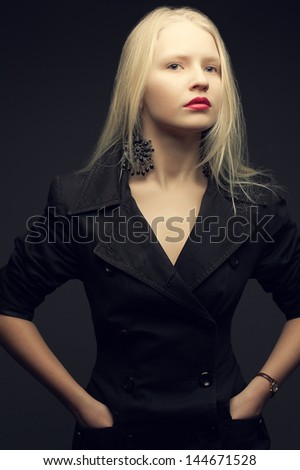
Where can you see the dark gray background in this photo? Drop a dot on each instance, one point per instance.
(57, 69)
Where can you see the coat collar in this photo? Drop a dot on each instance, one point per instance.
(100, 187)
(209, 247)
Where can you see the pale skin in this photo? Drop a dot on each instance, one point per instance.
(175, 188)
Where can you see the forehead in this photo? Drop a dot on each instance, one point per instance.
(184, 37)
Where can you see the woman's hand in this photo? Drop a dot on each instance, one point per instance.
(250, 402)
(22, 339)
(94, 414)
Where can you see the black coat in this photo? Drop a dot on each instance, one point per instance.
(163, 331)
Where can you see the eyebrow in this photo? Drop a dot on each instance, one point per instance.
(186, 57)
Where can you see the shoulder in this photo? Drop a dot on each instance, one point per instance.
(271, 199)
(66, 188)
(88, 189)
(262, 189)
(261, 195)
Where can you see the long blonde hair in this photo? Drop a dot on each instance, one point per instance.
(224, 146)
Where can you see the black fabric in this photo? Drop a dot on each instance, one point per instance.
(234, 434)
(163, 332)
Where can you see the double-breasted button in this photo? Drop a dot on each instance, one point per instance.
(129, 441)
(109, 270)
(205, 379)
(233, 260)
(128, 383)
(123, 332)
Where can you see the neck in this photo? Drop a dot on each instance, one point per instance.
(175, 159)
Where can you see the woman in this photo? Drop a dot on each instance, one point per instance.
(164, 227)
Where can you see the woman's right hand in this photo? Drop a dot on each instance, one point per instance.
(94, 414)
(23, 341)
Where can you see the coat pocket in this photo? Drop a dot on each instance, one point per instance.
(248, 433)
(94, 438)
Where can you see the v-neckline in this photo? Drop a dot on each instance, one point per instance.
(128, 196)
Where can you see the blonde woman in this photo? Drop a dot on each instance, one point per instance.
(164, 227)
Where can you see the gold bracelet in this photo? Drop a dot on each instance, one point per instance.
(273, 382)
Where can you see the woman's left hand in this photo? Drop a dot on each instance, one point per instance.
(250, 402)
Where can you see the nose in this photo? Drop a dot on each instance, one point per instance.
(199, 80)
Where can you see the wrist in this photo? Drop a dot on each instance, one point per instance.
(78, 401)
(250, 402)
(273, 384)
(258, 390)
(92, 413)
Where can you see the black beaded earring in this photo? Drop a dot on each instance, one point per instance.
(142, 157)
(206, 169)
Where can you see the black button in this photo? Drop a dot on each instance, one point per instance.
(123, 332)
(129, 442)
(109, 270)
(233, 261)
(128, 383)
(205, 379)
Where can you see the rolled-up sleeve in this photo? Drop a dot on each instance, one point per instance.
(43, 259)
(278, 268)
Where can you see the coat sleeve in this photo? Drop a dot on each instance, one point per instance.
(278, 267)
(43, 259)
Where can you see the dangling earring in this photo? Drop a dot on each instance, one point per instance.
(142, 157)
(206, 169)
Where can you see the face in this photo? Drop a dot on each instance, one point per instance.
(183, 91)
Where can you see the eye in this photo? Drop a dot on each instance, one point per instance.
(211, 69)
(174, 66)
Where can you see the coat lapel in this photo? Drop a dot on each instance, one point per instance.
(217, 234)
(141, 256)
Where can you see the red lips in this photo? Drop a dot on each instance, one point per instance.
(199, 100)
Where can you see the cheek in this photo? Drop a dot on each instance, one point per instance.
(218, 94)
(217, 102)
(158, 94)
